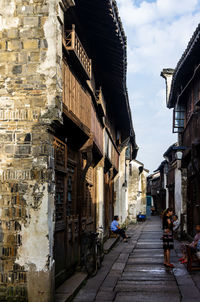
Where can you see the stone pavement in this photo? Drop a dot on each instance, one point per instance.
(134, 271)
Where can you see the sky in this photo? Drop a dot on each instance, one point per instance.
(158, 32)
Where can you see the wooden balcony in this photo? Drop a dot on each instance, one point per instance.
(111, 151)
(115, 157)
(101, 102)
(79, 104)
(97, 130)
(72, 43)
(75, 98)
(191, 134)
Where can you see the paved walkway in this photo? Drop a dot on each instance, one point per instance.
(134, 271)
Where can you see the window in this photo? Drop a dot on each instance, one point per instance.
(178, 119)
(128, 152)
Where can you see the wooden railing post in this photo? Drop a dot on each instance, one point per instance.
(73, 36)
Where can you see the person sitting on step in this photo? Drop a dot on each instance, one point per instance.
(192, 245)
(115, 228)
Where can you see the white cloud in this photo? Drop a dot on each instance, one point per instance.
(146, 12)
(158, 33)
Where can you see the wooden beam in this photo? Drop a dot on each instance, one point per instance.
(75, 120)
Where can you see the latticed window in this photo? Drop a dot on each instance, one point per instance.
(60, 155)
(71, 188)
(178, 119)
(59, 197)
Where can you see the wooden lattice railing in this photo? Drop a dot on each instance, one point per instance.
(73, 43)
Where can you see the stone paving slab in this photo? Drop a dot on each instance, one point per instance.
(118, 266)
(105, 295)
(110, 282)
(147, 245)
(89, 292)
(147, 286)
(152, 234)
(123, 257)
(150, 251)
(141, 267)
(134, 272)
(67, 289)
(138, 276)
(86, 296)
(108, 245)
(196, 278)
(145, 260)
(189, 287)
(147, 241)
(145, 253)
(146, 297)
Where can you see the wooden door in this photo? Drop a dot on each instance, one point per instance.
(66, 241)
(193, 204)
(106, 202)
(60, 154)
(72, 247)
(109, 199)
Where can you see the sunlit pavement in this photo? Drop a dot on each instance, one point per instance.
(134, 271)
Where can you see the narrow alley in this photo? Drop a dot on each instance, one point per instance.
(134, 271)
(92, 140)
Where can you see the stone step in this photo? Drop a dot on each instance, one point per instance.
(70, 287)
(109, 244)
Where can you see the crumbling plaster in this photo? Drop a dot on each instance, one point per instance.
(136, 191)
(30, 102)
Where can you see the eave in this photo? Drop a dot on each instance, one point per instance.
(108, 43)
(185, 67)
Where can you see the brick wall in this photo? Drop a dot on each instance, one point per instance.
(30, 103)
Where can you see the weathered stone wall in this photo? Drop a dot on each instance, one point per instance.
(184, 200)
(133, 188)
(30, 101)
(178, 192)
(144, 191)
(120, 188)
(136, 191)
(100, 197)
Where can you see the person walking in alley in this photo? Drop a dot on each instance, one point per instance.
(168, 243)
(116, 228)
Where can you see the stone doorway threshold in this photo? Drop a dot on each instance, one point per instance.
(67, 290)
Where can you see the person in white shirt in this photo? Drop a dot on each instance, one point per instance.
(176, 223)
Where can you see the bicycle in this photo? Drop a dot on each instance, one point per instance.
(92, 253)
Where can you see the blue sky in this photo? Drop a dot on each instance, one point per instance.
(158, 32)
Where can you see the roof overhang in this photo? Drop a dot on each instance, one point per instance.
(185, 67)
(104, 29)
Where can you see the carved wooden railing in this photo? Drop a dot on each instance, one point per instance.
(72, 43)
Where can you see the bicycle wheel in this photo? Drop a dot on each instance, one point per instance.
(90, 263)
(99, 256)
